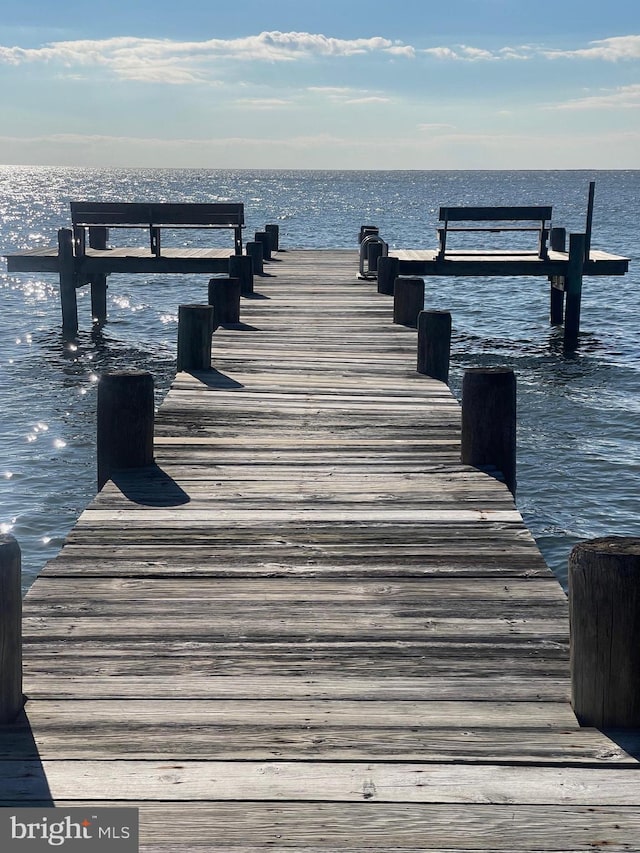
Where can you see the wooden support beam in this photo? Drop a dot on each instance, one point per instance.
(434, 344)
(224, 295)
(11, 699)
(254, 250)
(573, 290)
(125, 420)
(557, 242)
(241, 267)
(98, 240)
(66, 266)
(273, 230)
(263, 237)
(604, 612)
(489, 421)
(195, 327)
(408, 300)
(387, 273)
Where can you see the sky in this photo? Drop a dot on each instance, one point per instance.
(321, 84)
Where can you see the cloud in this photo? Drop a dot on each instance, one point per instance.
(613, 49)
(348, 95)
(149, 60)
(624, 97)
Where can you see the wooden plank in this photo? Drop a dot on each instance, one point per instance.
(325, 782)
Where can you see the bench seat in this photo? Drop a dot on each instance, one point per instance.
(502, 219)
(98, 217)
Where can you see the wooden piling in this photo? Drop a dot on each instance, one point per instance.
(11, 698)
(489, 421)
(195, 327)
(224, 295)
(68, 300)
(557, 242)
(125, 416)
(408, 300)
(387, 274)
(263, 237)
(375, 249)
(573, 290)
(98, 240)
(254, 250)
(434, 344)
(241, 267)
(604, 613)
(273, 230)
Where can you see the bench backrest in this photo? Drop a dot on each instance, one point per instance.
(495, 214)
(156, 213)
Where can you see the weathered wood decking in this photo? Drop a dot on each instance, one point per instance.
(310, 627)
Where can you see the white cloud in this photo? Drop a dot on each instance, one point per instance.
(610, 50)
(190, 61)
(624, 97)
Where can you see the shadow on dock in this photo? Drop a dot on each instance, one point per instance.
(134, 484)
(23, 781)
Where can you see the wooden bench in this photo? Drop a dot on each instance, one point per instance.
(100, 216)
(538, 217)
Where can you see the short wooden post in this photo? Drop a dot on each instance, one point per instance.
(224, 295)
(195, 327)
(604, 612)
(434, 344)
(408, 300)
(557, 242)
(387, 274)
(125, 415)
(263, 237)
(11, 698)
(98, 240)
(68, 300)
(573, 290)
(489, 421)
(374, 252)
(273, 230)
(241, 267)
(254, 250)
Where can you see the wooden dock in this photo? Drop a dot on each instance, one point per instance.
(310, 627)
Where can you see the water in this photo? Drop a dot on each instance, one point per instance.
(578, 416)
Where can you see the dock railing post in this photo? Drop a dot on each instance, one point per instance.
(387, 273)
(11, 698)
(254, 250)
(604, 613)
(489, 421)
(408, 300)
(573, 290)
(241, 266)
(558, 243)
(273, 230)
(195, 328)
(67, 272)
(125, 416)
(224, 296)
(434, 344)
(263, 237)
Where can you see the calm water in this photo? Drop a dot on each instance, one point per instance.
(579, 417)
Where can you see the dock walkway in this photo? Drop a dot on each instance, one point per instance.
(310, 627)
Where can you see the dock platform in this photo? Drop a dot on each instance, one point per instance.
(309, 627)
